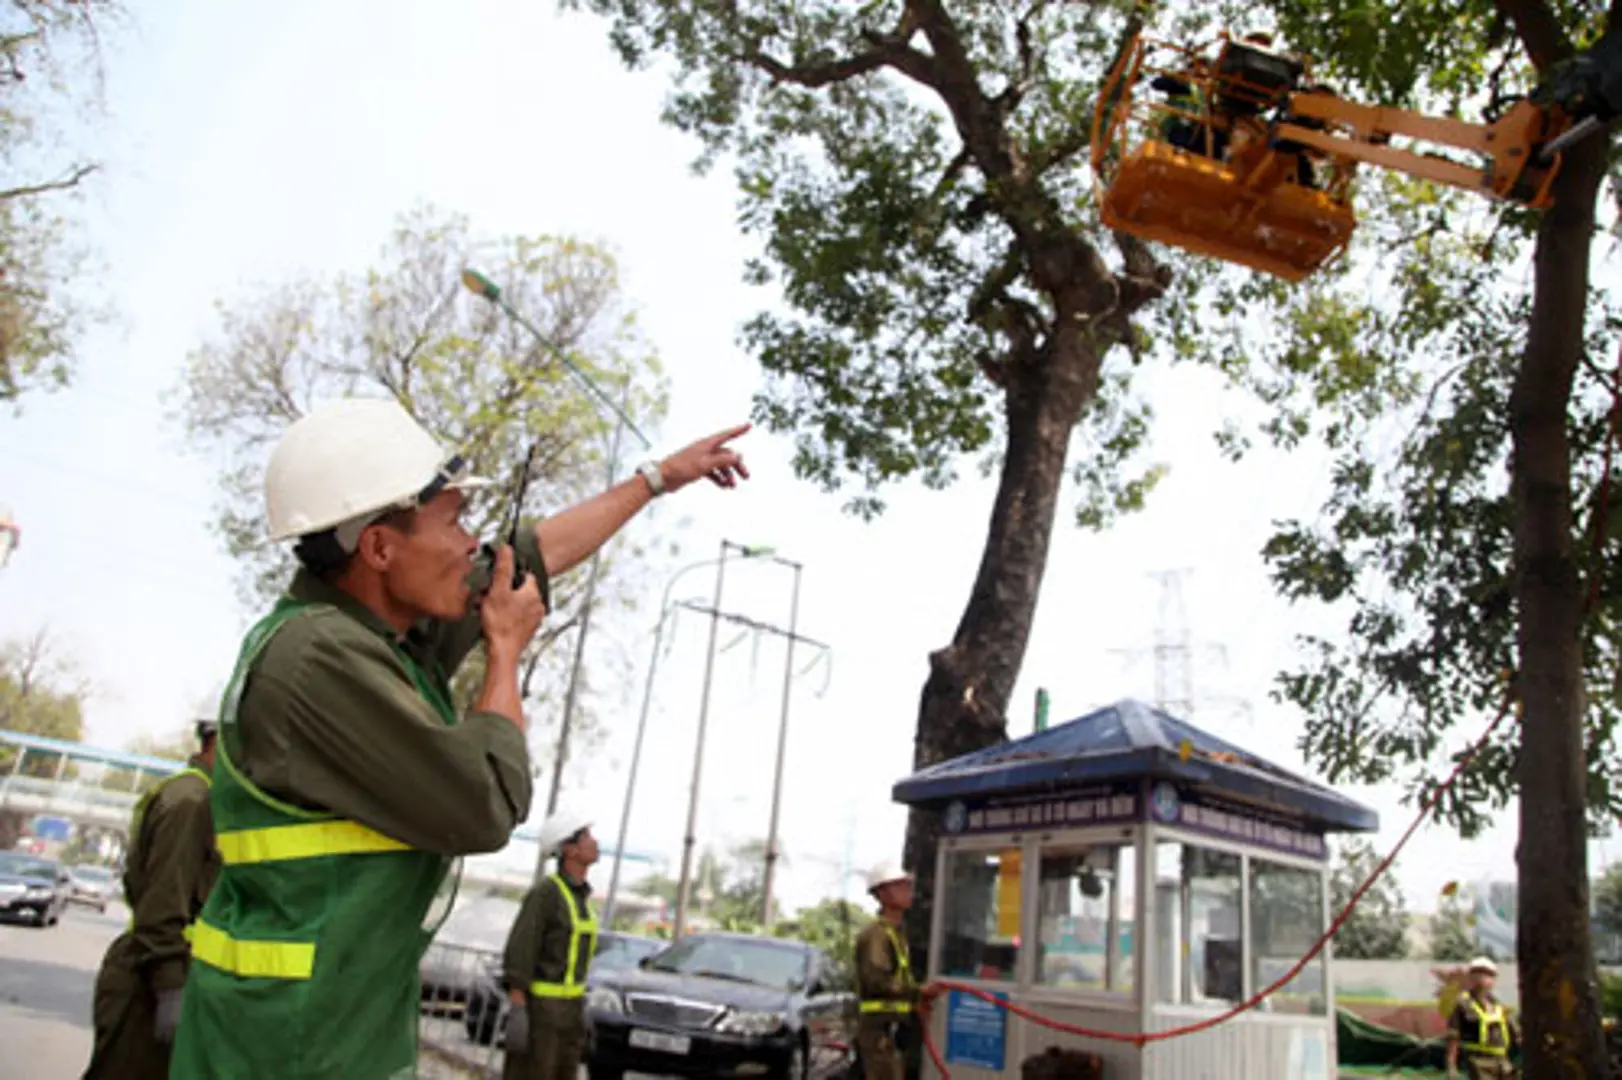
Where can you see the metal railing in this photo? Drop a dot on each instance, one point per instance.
(463, 1013)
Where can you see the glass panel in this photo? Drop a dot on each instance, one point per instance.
(1126, 907)
(1076, 910)
(1286, 919)
(1197, 929)
(980, 915)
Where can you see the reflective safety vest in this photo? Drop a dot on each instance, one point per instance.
(306, 956)
(138, 819)
(1486, 1021)
(581, 931)
(904, 965)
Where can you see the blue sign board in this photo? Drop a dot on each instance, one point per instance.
(976, 1031)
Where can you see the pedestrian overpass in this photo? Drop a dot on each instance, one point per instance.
(97, 787)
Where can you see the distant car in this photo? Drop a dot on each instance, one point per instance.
(92, 886)
(615, 952)
(454, 963)
(32, 888)
(719, 1004)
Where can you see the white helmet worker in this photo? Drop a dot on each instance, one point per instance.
(884, 874)
(350, 461)
(1484, 965)
(561, 826)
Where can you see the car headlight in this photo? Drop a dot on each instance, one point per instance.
(600, 1000)
(751, 1023)
(39, 891)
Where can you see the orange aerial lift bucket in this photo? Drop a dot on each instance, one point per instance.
(1241, 205)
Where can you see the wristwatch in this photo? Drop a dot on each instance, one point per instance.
(649, 471)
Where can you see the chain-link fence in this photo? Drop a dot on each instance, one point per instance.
(463, 1014)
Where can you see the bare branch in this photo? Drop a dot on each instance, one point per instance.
(71, 180)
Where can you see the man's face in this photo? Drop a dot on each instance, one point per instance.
(584, 848)
(425, 560)
(1483, 981)
(897, 894)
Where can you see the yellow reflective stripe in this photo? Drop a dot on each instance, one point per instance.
(556, 990)
(886, 1006)
(282, 843)
(252, 959)
(1485, 1022)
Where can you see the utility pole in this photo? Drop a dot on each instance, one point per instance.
(782, 746)
(684, 888)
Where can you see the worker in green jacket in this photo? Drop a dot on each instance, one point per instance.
(549, 951)
(169, 865)
(348, 784)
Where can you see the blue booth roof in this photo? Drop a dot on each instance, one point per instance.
(1126, 741)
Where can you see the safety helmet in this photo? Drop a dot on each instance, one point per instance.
(355, 457)
(560, 827)
(1484, 964)
(884, 874)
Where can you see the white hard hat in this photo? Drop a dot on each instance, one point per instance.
(559, 827)
(885, 873)
(354, 457)
(1484, 963)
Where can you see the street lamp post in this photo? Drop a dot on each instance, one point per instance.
(571, 696)
(665, 609)
(782, 746)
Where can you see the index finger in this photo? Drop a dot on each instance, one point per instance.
(729, 434)
(504, 563)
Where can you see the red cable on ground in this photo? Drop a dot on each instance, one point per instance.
(1139, 1039)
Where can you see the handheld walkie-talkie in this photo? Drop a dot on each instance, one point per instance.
(543, 582)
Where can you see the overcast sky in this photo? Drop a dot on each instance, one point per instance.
(245, 143)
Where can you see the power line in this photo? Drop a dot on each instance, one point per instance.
(1174, 651)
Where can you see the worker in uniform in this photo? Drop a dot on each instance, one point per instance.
(1480, 1032)
(549, 951)
(887, 1029)
(349, 786)
(169, 866)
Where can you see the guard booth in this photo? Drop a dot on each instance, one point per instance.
(1128, 872)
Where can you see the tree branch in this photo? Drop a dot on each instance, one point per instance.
(1539, 30)
(71, 180)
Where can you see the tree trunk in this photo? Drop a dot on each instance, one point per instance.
(965, 699)
(1559, 996)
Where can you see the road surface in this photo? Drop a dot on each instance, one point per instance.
(46, 980)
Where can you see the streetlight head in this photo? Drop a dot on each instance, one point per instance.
(479, 284)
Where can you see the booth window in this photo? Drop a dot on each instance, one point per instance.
(1286, 920)
(980, 912)
(1085, 912)
(1197, 946)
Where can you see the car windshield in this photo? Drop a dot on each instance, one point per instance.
(27, 866)
(616, 952)
(762, 961)
(99, 874)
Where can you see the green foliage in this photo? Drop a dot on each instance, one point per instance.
(1453, 934)
(910, 259)
(1399, 362)
(832, 926)
(1610, 992)
(48, 53)
(41, 693)
(1377, 928)
(1608, 900)
(410, 330)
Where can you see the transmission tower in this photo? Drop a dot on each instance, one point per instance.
(1174, 652)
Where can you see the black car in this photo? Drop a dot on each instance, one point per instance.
(721, 1005)
(615, 951)
(32, 888)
